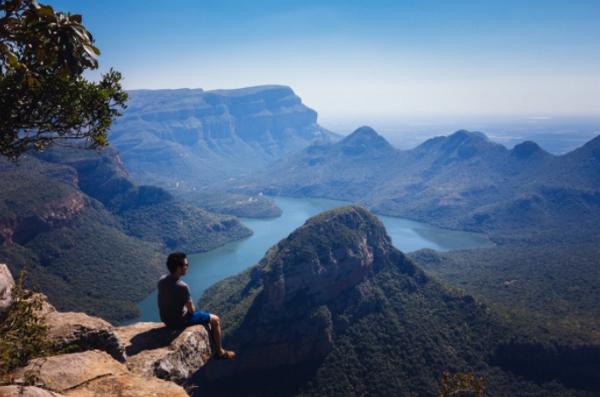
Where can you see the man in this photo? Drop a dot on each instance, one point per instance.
(176, 307)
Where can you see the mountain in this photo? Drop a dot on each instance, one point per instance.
(147, 212)
(188, 138)
(90, 238)
(461, 181)
(346, 169)
(335, 309)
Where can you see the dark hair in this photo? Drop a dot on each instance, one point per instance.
(175, 260)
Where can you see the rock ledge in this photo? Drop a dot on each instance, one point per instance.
(142, 359)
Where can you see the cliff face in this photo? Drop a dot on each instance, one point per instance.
(23, 214)
(323, 258)
(21, 228)
(205, 136)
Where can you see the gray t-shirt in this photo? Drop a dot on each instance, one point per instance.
(173, 294)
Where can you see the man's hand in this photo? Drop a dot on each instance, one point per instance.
(190, 306)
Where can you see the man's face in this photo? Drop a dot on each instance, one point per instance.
(184, 267)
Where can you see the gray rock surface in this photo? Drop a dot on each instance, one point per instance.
(69, 371)
(93, 373)
(6, 284)
(128, 385)
(75, 332)
(155, 350)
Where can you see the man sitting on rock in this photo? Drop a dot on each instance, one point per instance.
(176, 307)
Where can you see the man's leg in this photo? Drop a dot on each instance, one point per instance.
(215, 326)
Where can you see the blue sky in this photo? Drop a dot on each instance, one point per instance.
(363, 58)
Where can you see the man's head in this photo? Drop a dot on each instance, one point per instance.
(177, 263)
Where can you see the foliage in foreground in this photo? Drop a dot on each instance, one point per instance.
(44, 98)
(23, 334)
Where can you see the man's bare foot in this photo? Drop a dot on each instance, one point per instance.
(225, 355)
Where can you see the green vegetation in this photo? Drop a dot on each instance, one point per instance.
(461, 385)
(92, 240)
(553, 289)
(244, 206)
(462, 181)
(23, 334)
(89, 265)
(44, 98)
(183, 227)
(305, 323)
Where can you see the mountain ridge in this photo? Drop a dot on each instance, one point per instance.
(211, 135)
(335, 309)
(458, 181)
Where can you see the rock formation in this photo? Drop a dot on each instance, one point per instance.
(208, 136)
(74, 331)
(93, 373)
(154, 350)
(6, 284)
(97, 359)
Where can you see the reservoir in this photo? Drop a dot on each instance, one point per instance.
(210, 267)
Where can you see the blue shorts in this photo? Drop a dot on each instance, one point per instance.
(198, 317)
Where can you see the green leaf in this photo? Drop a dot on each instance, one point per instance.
(12, 59)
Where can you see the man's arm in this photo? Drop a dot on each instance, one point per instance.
(190, 306)
(187, 298)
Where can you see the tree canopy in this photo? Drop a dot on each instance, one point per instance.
(44, 98)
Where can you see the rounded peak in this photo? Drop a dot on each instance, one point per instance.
(355, 213)
(331, 252)
(364, 138)
(593, 143)
(468, 143)
(365, 130)
(465, 134)
(527, 149)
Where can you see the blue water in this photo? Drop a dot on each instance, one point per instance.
(210, 267)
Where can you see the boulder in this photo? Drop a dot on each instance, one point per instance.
(6, 284)
(155, 350)
(68, 371)
(92, 373)
(128, 385)
(76, 332)
(26, 391)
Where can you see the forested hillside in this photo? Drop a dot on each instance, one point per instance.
(463, 181)
(90, 238)
(334, 309)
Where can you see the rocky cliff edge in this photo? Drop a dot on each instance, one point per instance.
(142, 359)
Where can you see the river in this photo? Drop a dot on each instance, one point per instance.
(210, 267)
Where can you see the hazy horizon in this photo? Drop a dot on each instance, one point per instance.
(555, 134)
(377, 60)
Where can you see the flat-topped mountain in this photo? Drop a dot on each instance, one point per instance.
(183, 139)
(461, 181)
(335, 309)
